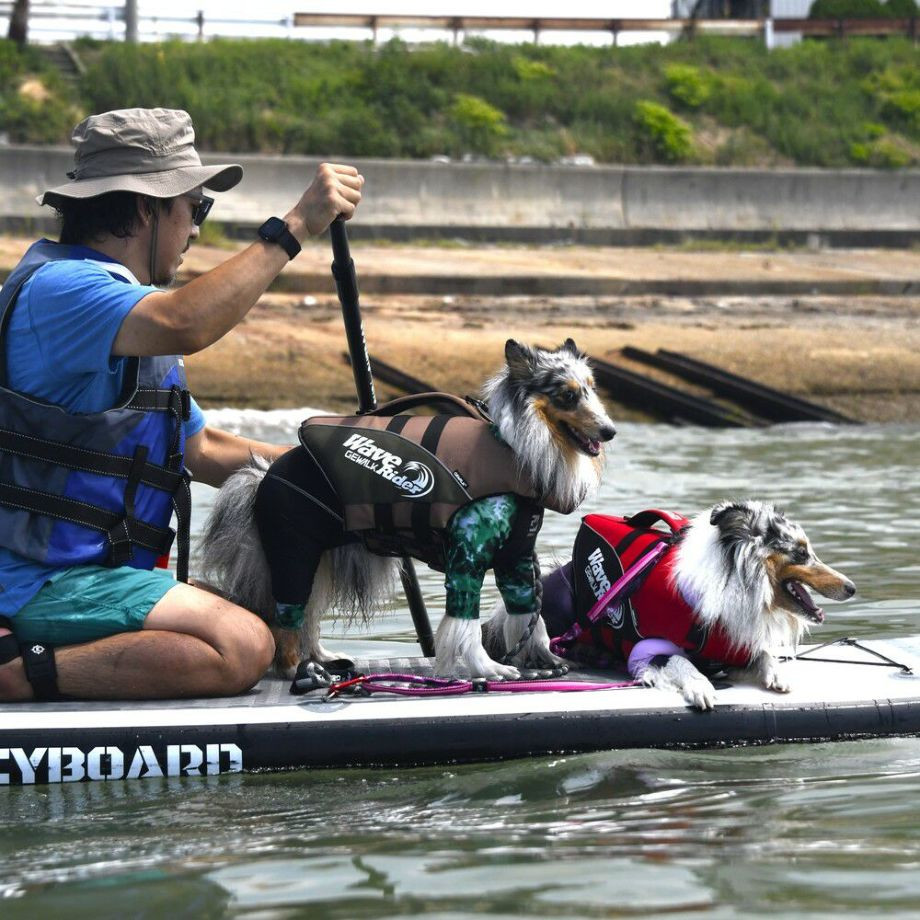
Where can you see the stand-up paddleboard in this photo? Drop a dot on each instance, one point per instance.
(841, 690)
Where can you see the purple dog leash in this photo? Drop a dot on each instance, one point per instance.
(418, 685)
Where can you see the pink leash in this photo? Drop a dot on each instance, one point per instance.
(559, 645)
(417, 685)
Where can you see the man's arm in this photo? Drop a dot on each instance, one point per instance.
(186, 320)
(212, 455)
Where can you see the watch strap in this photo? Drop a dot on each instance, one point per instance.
(275, 230)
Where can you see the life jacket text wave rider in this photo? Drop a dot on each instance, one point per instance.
(401, 478)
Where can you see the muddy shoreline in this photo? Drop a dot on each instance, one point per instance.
(861, 358)
(857, 354)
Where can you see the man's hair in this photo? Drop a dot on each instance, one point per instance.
(115, 213)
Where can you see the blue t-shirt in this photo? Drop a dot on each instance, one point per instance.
(59, 348)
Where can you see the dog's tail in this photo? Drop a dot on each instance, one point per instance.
(232, 558)
(349, 578)
(361, 584)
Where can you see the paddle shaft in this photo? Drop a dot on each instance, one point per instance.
(346, 283)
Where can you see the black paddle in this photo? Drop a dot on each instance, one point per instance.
(346, 283)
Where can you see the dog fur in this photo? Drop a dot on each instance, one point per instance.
(745, 566)
(545, 407)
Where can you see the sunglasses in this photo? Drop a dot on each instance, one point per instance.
(202, 207)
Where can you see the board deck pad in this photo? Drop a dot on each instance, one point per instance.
(839, 691)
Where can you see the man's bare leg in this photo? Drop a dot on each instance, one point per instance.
(193, 643)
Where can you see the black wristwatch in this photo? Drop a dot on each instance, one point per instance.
(275, 230)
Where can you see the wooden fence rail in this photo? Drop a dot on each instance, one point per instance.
(87, 17)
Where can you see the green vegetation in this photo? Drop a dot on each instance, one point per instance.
(668, 136)
(863, 9)
(706, 101)
(36, 106)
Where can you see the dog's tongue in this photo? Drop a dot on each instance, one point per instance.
(804, 598)
(588, 445)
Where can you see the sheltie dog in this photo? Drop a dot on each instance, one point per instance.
(729, 589)
(280, 538)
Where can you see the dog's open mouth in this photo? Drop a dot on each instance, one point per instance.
(810, 610)
(586, 445)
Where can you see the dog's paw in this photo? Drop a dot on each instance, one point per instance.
(496, 671)
(535, 653)
(775, 679)
(459, 652)
(700, 693)
(681, 675)
(770, 673)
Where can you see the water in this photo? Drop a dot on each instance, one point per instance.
(819, 830)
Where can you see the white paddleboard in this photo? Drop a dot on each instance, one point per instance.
(839, 691)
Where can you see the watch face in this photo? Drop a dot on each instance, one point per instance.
(271, 229)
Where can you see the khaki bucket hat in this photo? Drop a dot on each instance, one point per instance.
(147, 151)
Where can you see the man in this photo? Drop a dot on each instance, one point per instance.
(97, 427)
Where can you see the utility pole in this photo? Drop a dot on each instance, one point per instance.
(131, 21)
(19, 23)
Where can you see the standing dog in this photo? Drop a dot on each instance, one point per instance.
(726, 589)
(317, 529)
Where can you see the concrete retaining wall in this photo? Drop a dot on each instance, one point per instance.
(407, 194)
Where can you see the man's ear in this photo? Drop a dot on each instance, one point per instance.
(146, 207)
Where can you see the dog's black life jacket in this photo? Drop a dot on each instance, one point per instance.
(654, 608)
(401, 478)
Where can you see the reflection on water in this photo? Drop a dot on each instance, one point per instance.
(793, 830)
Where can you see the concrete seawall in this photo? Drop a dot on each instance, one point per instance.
(593, 204)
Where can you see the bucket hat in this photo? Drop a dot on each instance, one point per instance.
(147, 151)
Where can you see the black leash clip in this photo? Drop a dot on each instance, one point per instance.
(312, 675)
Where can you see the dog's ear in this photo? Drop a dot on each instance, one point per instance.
(519, 358)
(728, 515)
(570, 346)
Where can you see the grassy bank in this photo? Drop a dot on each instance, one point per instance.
(707, 101)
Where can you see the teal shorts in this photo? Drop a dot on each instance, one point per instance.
(89, 602)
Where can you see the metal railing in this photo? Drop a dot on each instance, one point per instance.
(107, 20)
(537, 25)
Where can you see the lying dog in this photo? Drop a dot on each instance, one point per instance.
(721, 590)
(465, 493)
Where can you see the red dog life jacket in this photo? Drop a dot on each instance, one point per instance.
(605, 547)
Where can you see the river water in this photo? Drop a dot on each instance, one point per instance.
(816, 830)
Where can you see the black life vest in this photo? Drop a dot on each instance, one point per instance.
(401, 478)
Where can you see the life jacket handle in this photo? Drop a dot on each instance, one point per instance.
(446, 403)
(646, 519)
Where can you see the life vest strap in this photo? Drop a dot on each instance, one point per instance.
(182, 505)
(87, 461)
(157, 399)
(626, 585)
(118, 530)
